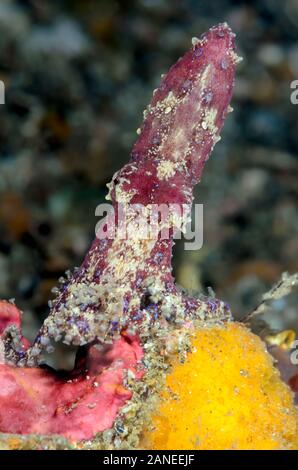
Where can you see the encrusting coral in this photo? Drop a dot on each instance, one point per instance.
(134, 326)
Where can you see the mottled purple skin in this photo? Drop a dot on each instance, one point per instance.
(184, 79)
(181, 126)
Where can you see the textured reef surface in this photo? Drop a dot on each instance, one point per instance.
(122, 306)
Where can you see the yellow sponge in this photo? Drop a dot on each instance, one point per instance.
(227, 395)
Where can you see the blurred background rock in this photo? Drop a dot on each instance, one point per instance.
(78, 75)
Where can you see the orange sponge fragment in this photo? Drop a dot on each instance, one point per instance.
(226, 395)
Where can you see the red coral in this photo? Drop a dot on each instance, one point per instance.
(288, 370)
(9, 315)
(293, 382)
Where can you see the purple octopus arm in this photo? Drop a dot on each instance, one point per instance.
(127, 283)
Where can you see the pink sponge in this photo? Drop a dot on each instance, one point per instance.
(76, 405)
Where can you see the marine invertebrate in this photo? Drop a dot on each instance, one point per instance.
(122, 306)
(232, 385)
(118, 277)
